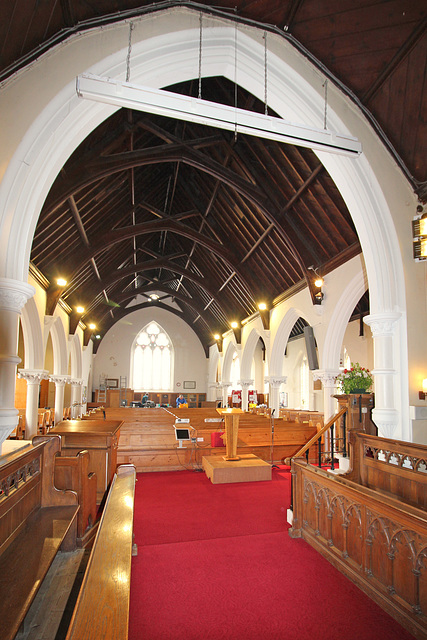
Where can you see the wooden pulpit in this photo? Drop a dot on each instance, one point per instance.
(231, 419)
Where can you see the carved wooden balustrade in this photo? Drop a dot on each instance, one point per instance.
(371, 523)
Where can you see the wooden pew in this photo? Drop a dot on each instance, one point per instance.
(147, 437)
(102, 607)
(72, 472)
(36, 520)
(42, 427)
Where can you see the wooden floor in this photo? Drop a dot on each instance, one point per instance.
(50, 613)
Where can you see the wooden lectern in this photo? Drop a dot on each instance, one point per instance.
(231, 419)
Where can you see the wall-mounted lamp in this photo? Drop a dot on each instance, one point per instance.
(92, 326)
(419, 234)
(80, 309)
(422, 394)
(234, 325)
(61, 282)
(262, 306)
(318, 284)
(217, 336)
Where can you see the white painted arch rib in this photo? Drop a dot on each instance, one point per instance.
(165, 51)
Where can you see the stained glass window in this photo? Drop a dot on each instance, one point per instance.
(152, 359)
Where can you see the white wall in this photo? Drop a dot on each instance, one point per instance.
(113, 357)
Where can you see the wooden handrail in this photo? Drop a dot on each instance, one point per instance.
(102, 608)
(318, 435)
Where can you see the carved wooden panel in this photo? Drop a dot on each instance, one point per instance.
(380, 543)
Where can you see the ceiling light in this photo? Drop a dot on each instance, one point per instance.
(61, 282)
(166, 103)
(92, 326)
(80, 309)
(98, 337)
(217, 336)
(262, 306)
(154, 296)
(318, 282)
(234, 325)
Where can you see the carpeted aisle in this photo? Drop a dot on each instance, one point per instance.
(216, 562)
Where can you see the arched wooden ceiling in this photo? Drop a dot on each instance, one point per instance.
(211, 223)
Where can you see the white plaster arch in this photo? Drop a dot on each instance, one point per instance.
(248, 353)
(228, 358)
(165, 51)
(214, 359)
(330, 355)
(33, 339)
(281, 339)
(68, 119)
(75, 353)
(54, 326)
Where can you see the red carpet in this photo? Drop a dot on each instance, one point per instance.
(216, 562)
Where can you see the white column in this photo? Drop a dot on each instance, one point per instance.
(59, 395)
(329, 384)
(13, 296)
(245, 384)
(274, 384)
(212, 396)
(33, 378)
(224, 386)
(384, 327)
(76, 397)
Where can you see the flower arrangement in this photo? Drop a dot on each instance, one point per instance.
(357, 379)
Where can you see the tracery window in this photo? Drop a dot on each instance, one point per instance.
(152, 359)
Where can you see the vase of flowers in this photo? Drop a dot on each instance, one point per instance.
(357, 379)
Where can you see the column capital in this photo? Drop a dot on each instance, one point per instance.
(33, 376)
(14, 294)
(276, 381)
(382, 324)
(76, 382)
(224, 385)
(327, 376)
(245, 383)
(60, 379)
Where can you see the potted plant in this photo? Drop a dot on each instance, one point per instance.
(357, 379)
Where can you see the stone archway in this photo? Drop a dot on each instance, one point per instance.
(165, 52)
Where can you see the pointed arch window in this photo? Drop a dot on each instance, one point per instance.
(152, 359)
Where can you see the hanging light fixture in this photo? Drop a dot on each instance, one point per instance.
(173, 105)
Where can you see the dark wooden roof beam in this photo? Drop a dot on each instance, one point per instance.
(400, 55)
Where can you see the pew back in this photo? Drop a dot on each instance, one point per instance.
(35, 521)
(393, 467)
(72, 472)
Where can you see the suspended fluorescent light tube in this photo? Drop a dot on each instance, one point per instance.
(165, 103)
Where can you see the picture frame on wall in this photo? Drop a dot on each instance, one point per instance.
(189, 384)
(112, 383)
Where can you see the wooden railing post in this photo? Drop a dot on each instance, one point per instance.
(332, 447)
